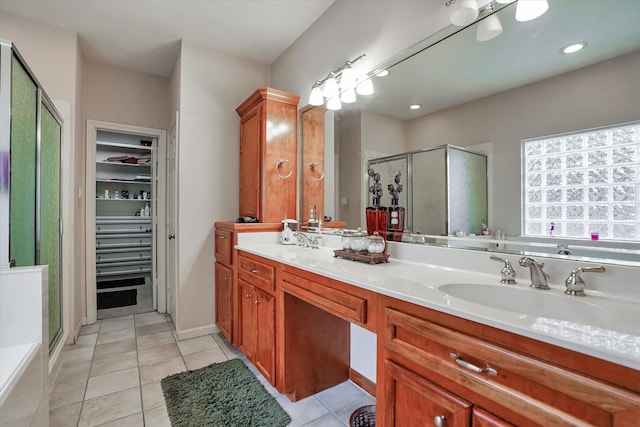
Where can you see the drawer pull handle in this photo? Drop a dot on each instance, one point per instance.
(471, 366)
(221, 237)
(248, 296)
(226, 278)
(254, 270)
(440, 420)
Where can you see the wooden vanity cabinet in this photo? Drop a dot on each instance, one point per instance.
(268, 154)
(225, 238)
(419, 349)
(257, 311)
(223, 249)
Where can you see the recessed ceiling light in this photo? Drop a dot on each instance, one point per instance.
(415, 106)
(383, 73)
(573, 48)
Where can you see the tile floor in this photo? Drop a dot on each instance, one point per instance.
(111, 377)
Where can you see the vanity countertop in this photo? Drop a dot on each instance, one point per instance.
(614, 341)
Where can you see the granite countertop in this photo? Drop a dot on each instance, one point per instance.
(606, 337)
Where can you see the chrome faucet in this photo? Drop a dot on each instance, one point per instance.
(507, 273)
(306, 241)
(539, 277)
(574, 283)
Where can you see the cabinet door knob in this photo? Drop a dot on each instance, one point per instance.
(254, 270)
(440, 420)
(226, 278)
(248, 296)
(257, 301)
(221, 237)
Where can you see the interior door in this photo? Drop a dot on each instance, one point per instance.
(172, 216)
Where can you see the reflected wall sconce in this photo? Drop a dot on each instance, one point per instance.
(466, 12)
(340, 86)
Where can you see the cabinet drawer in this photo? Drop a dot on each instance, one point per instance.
(338, 302)
(223, 246)
(121, 241)
(110, 256)
(525, 390)
(257, 273)
(123, 268)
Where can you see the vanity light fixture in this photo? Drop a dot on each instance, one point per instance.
(464, 12)
(341, 85)
(573, 47)
(383, 73)
(490, 27)
(527, 10)
(330, 89)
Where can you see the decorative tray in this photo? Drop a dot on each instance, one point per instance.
(362, 256)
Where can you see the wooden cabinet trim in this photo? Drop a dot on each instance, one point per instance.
(266, 93)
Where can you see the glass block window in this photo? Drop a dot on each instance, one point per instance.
(582, 183)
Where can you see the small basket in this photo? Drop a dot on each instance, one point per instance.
(364, 416)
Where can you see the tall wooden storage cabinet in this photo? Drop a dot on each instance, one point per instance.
(268, 150)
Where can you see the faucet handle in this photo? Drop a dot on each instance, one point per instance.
(507, 273)
(574, 283)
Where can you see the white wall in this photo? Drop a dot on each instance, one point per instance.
(599, 95)
(115, 94)
(211, 86)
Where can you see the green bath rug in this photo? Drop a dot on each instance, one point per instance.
(223, 394)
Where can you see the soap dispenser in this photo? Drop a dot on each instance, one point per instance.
(286, 235)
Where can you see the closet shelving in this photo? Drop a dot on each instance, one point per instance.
(124, 203)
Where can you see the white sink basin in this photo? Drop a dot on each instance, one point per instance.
(553, 304)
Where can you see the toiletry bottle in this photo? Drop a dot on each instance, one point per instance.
(146, 209)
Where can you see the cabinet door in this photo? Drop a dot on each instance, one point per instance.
(413, 401)
(223, 299)
(247, 318)
(250, 169)
(265, 316)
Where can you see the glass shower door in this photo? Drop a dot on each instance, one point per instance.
(49, 218)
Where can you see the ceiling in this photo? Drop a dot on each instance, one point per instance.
(144, 35)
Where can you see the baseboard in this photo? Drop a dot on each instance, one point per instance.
(363, 382)
(185, 334)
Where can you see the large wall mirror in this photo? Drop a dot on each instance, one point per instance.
(486, 97)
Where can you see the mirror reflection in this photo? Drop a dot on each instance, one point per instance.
(487, 97)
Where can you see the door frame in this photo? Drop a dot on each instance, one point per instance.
(172, 211)
(159, 283)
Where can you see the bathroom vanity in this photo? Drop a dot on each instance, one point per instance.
(440, 359)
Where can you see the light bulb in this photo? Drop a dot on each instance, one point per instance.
(330, 87)
(505, 1)
(527, 10)
(334, 103)
(365, 87)
(488, 28)
(316, 97)
(348, 96)
(348, 78)
(464, 12)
